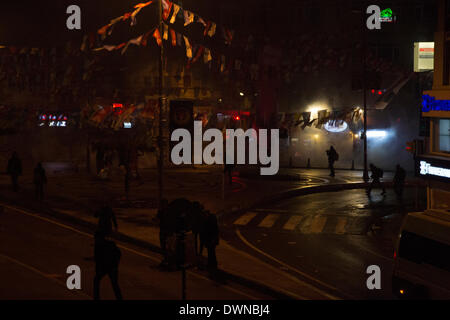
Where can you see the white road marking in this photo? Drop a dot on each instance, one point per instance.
(292, 269)
(318, 224)
(246, 218)
(305, 224)
(269, 221)
(273, 210)
(123, 247)
(292, 222)
(340, 226)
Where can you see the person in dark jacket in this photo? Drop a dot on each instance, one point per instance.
(14, 170)
(107, 258)
(210, 237)
(377, 174)
(39, 179)
(106, 220)
(399, 181)
(332, 157)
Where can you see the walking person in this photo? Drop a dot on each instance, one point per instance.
(210, 238)
(377, 174)
(107, 258)
(39, 179)
(14, 170)
(106, 220)
(399, 181)
(333, 156)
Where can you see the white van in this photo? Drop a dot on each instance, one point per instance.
(422, 257)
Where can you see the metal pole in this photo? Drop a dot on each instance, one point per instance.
(161, 109)
(365, 173)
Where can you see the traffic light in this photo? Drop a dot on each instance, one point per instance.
(411, 146)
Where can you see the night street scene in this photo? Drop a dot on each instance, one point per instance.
(247, 151)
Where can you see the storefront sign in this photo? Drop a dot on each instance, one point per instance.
(429, 169)
(423, 56)
(431, 104)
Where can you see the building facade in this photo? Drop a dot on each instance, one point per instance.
(434, 164)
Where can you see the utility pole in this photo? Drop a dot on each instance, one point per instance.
(364, 76)
(161, 109)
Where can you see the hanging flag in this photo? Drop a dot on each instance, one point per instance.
(157, 36)
(208, 25)
(188, 17)
(212, 30)
(133, 16)
(200, 20)
(207, 56)
(167, 5)
(145, 38)
(173, 37)
(188, 47)
(126, 16)
(166, 32)
(176, 9)
(103, 29)
(199, 54)
(142, 5)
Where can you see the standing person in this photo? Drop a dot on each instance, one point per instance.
(163, 229)
(39, 179)
(106, 219)
(377, 174)
(332, 157)
(399, 181)
(210, 237)
(107, 258)
(14, 170)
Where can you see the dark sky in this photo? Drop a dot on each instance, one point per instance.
(43, 22)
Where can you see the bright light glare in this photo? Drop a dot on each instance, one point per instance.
(241, 94)
(376, 134)
(316, 136)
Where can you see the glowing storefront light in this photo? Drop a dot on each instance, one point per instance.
(431, 104)
(428, 169)
(336, 126)
(375, 134)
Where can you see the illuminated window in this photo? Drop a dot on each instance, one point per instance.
(441, 135)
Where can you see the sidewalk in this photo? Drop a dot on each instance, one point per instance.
(76, 196)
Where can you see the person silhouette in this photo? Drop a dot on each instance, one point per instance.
(14, 170)
(39, 179)
(106, 219)
(107, 257)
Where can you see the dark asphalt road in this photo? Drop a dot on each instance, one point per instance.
(327, 239)
(35, 253)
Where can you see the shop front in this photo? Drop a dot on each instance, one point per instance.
(434, 165)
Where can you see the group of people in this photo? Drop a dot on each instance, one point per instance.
(377, 174)
(14, 170)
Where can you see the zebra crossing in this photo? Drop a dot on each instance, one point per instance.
(320, 223)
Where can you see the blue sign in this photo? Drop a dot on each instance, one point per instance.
(431, 104)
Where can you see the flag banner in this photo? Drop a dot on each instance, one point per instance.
(120, 46)
(188, 17)
(103, 29)
(166, 32)
(144, 4)
(126, 16)
(199, 54)
(212, 30)
(176, 9)
(207, 55)
(133, 16)
(173, 36)
(200, 20)
(157, 36)
(167, 6)
(144, 40)
(322, 118)
(188, 47)
(208, 25)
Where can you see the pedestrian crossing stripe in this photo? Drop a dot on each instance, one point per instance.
(269, 220)
(307, 224)
(340, 226)
(246, 218)
(292, 222)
